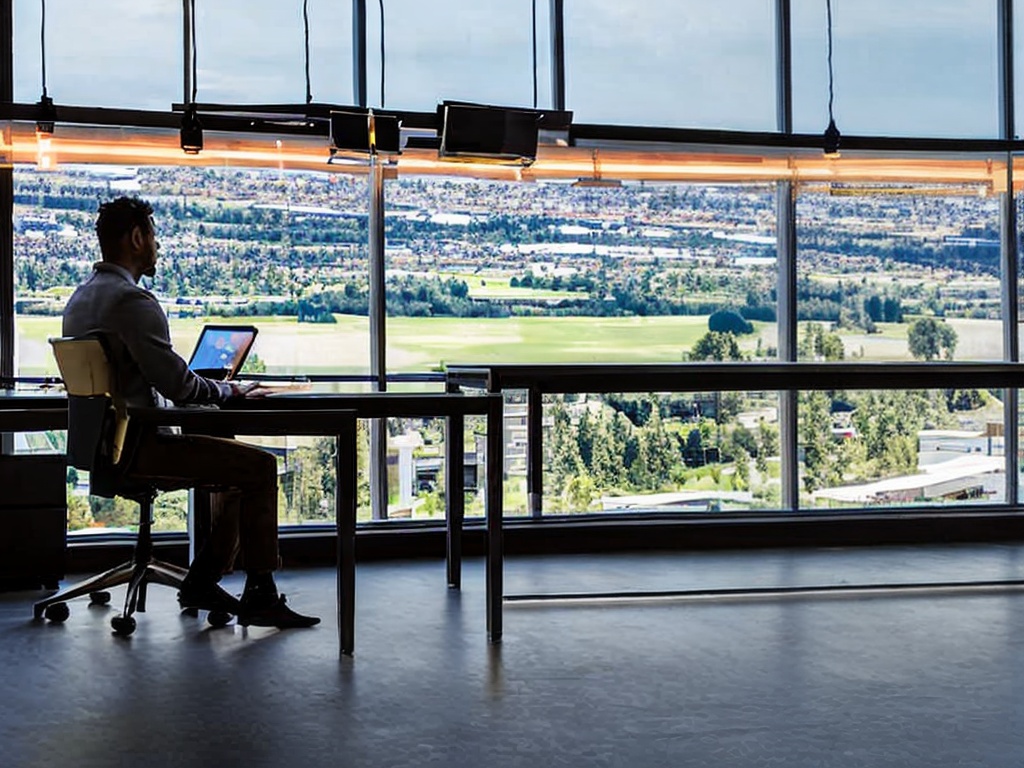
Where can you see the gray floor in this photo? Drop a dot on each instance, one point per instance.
(921, 679)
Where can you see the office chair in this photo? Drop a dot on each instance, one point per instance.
(100, 441)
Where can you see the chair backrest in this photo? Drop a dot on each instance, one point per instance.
(97, 416)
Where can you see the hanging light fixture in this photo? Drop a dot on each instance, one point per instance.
(191, 131)
(191, 127)
(831, 138)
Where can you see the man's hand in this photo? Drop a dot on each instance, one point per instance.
(250, 389)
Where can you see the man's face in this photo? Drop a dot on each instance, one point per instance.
(149, 247)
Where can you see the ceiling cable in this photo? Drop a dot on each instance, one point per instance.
(381, 2)
(534, 54)
(831, 92)
(42, 43)
(192, 12)
(832, 137)
(305, 23)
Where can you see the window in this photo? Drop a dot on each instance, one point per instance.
(898, 448)
(275, 248)
(480, 51)
(117, 53)
(253, 52)
(898, 272)
(913, 68)
(497, 272)
(487, 271)
(685, 64)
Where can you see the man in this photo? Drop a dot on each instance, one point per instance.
(149, 373)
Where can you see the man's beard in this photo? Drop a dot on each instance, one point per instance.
(151, 272)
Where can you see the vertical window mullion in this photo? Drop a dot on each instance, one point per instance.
(558, 54)
(359, 52)
(1009, 256)
(785, 227)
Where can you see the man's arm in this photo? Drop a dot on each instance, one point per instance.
(146, 334)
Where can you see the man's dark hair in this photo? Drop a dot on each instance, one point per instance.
(119, 217)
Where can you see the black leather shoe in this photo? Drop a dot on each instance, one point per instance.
(207, 597)
(272, 612)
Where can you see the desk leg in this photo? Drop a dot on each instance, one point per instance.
(345, 515)
(495, 505)
(455, 494)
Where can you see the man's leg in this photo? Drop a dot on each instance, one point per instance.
(247, 517)
(246, 514)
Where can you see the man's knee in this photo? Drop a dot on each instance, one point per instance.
(265, 466)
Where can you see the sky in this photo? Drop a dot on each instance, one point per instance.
(901, 67)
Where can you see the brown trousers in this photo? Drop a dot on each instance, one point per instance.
(243, 505)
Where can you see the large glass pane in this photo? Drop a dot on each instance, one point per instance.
(116, 53)
(283, 250)
(912, 68)
(898, 448)
(496, 272)
(488, 272)
(254, 52)
(669, 452)
(898, 272)
(449, 49)
(682, 64)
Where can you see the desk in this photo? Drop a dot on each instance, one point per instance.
(453, 408)
(316, 414)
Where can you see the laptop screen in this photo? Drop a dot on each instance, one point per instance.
(221, 350)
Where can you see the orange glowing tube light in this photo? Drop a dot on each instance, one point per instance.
(72, 144)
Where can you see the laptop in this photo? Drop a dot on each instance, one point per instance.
(221, 350)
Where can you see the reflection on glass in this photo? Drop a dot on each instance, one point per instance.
(898, 272)
(692, 452)
(897, 448)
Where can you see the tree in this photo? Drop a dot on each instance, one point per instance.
(821, 462)
(819, 344)
(741, 477)
(729, 321)
(716, 345)
(929, 339)
(79, 513)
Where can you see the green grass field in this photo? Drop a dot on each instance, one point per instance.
(421, 344)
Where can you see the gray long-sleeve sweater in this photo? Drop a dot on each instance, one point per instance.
(139, 340)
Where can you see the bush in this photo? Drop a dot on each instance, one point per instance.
(729, 321)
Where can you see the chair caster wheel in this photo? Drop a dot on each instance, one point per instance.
(188, 611)
(99, 598)
(57, 613)
(218, 618)
(123, 625)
